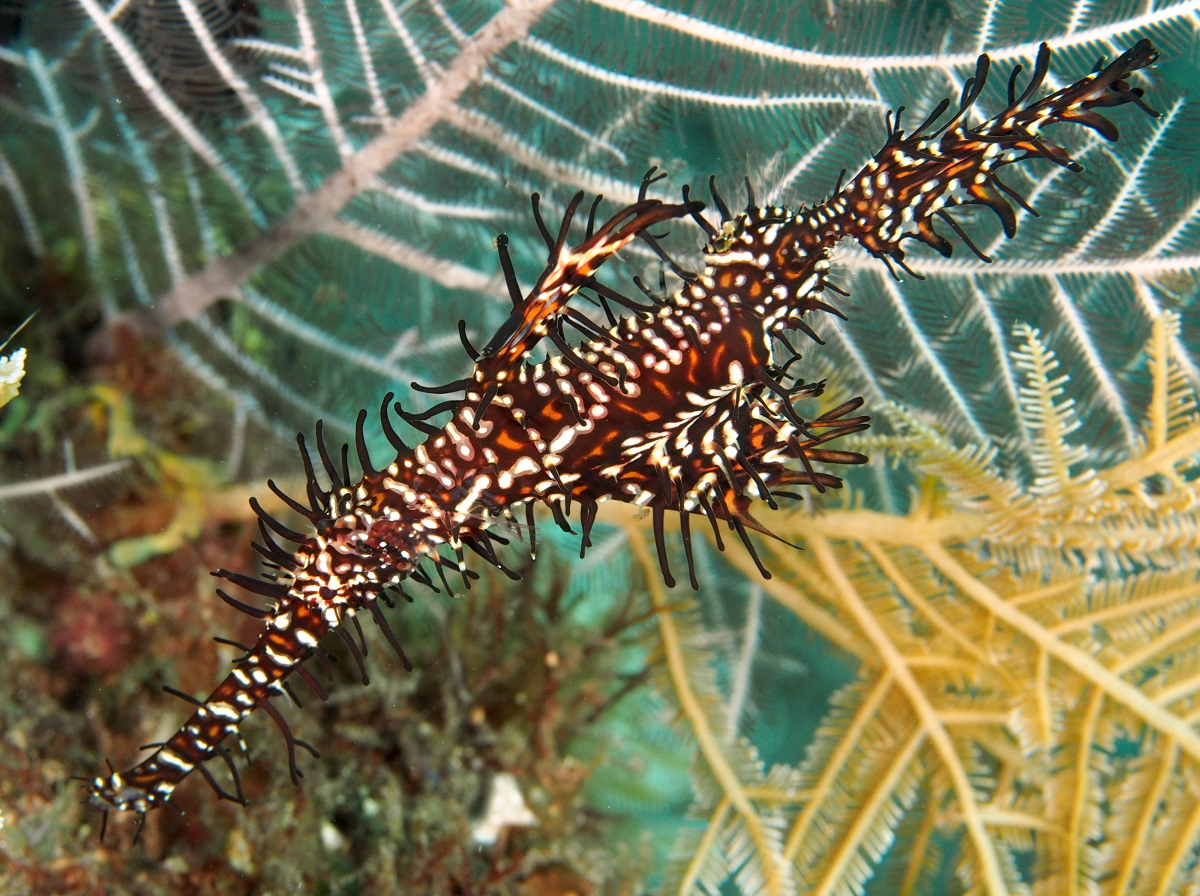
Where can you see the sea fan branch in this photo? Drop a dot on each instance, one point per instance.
(46, 485)
(73, 155)
(1131, 186)
(675, 91)
(1082, 805)
(259, 113)
(699, 722)
(804, 607)
(315, 77)
(735, 40)
(883, 791)
(317, 210)
(941, 374)
(151, 182)
(1075, 659)
(1049, 420)
(314, 336)
(1183, 847)
(1150, 805)
(132, 61)
(514, 147)
(594, 141)
(914, 597)
(378, 105)
(931, 726)
(748, 650)
(1080, 335)
(29, 225)
(712, 831)
(848, 738)
(218, 339)
(1146, 265)
(426, 71)
(448, 273)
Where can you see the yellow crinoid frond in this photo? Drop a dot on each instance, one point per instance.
(1029, 669)
(1143, 510)
(1173, 408)
(1063, 480)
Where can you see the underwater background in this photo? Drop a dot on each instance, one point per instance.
(231, 219)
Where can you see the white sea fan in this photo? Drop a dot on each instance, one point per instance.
(296, 252)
